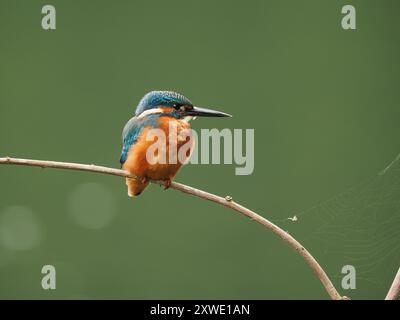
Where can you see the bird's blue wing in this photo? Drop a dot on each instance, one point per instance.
(130, 135)
(132, 131)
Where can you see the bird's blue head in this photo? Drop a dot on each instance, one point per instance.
(170, 101)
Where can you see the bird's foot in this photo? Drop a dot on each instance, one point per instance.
(167, 184)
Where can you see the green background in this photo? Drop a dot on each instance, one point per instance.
(324, 103)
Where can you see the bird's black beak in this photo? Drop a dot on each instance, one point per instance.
(203, 112)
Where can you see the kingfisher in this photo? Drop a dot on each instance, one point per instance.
(158, 111)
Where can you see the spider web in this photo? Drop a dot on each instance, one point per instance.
(359, 227)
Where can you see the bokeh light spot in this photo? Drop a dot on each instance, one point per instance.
(92, 205)
(19, 228)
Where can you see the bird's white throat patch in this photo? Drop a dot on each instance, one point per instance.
(189, 118)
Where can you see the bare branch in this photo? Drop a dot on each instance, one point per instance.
(227, 202)
(394, 291)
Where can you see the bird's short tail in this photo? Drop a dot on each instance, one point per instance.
(135, 187)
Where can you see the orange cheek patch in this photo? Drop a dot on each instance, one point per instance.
(167, 109)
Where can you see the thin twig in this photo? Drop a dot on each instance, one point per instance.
(394, 291)
(227, 202)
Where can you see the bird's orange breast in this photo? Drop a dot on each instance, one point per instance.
(158, 158)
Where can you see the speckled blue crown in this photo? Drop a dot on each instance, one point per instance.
(155, 99)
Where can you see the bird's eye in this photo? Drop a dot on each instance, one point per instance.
(179, 107)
